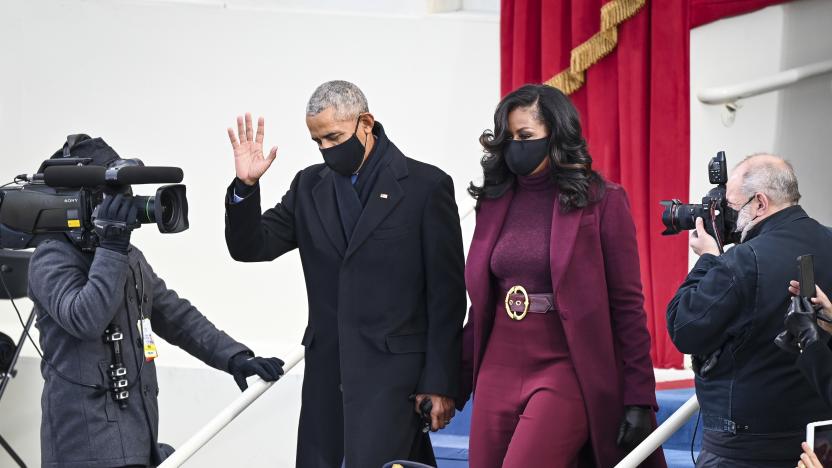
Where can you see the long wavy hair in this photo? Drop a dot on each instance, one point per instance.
(578, 184)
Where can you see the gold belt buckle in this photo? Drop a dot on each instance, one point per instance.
(511, 313)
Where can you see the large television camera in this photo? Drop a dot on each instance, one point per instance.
(720, 220)
(62, 198)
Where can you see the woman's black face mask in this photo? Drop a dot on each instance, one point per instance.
(345, 158)
(523, 156)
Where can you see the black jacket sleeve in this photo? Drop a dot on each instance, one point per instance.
(444, 265)
(710, 299)
(252, 237)
(815, 362)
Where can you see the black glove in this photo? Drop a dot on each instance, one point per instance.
(801, 326)
(636, 425)
(114, 221)
(242, 365)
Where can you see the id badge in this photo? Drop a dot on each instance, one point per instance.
(150, 352)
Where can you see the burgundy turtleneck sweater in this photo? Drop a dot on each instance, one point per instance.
(521, 255)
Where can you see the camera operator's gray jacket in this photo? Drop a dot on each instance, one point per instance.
(77, 295)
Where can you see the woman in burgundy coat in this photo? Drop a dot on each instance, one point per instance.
(556, 347)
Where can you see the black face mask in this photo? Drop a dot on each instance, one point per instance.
(731, 216)
(345, 158)
(523, 156)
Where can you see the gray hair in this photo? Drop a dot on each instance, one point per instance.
(771, 175)
(344, 97)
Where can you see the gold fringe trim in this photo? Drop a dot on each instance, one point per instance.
(596, 47)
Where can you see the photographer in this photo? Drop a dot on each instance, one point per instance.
(97, 312)
(754, 402)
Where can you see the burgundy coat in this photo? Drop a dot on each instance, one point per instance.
(597, 289)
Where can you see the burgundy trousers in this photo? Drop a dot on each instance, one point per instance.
(528, 407)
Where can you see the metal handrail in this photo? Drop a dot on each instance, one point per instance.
(224, 417)
(660, 435)
(765, 84)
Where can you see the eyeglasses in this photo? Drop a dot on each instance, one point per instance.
(732, 205)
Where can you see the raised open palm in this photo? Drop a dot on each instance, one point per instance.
(249, 161)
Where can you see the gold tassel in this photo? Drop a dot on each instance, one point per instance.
(596, 47)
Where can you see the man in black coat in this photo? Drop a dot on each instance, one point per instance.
(381, 248)
(754, 401)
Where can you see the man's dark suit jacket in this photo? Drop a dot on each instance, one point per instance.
(385, 309)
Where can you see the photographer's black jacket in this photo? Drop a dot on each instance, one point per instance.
(77, 295)
(755, 402)
(385, 309)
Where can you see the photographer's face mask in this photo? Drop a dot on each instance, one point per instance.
(743, 217)
(523, 156)
(345, 158)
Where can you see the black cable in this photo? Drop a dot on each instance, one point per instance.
(96, 387)
(140, 300)
(693, 439)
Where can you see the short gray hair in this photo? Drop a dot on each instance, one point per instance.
(771, 175)
(344, 97)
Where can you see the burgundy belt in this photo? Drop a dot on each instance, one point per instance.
(518, 302)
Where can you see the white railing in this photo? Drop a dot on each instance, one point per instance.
(255, 389)
(660, 435)
(732, 93)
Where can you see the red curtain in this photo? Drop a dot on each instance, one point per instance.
(635, 112)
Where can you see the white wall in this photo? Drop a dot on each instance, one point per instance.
(161, 81)
(804, 131)
(795, 123)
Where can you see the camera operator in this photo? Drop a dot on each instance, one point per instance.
(755, 403)
(96, 313)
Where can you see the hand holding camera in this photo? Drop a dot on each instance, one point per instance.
(714, 221)
(114, 221)
(701, 242)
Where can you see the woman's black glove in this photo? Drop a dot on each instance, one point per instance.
(114, 220)
(243, 365)
(636, 425)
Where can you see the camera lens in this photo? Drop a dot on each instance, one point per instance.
(145, 208)
(678, 217)
(168, 203)
(168, 209)
(670, 216)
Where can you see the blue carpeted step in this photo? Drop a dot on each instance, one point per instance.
(451, 444)
(679, 458)
(669, 402)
